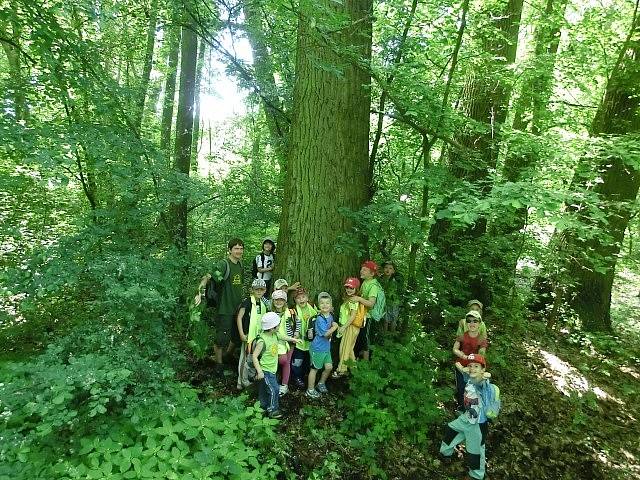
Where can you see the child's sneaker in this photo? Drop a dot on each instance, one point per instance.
(275, 414)
(299, 383)
(312, 393)
(322, 388)
(284, 389)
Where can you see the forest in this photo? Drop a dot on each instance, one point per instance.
(489, 149)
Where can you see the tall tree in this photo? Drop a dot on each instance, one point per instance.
(277, 119)
(196, 115)
(148, 64)
(592, 258)
(531, 107)
(169, 89)
(328, 160)
(484, 103)
(184, 131)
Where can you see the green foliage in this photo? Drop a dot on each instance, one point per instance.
(115, 415)
(394, 394)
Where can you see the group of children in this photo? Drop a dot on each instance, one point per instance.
(477, 398)
(282, 344)
(297, 342)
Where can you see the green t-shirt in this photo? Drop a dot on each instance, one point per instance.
(345, 311)
(232, 292)
(269, 354)
(304, 314)
(370, 288)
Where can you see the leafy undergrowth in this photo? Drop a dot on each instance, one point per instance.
(566, 412)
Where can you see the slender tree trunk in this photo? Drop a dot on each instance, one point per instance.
(148, 64)
(169, 90)
(196, 116)
(277, 120)
(427, 144)
(328, 163)
(383, 96)
(184, 132)
(532, 104)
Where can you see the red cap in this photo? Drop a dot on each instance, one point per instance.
(352, 282)
(371, 265)
(476, 358)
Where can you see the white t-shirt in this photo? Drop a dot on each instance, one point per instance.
(268, 263)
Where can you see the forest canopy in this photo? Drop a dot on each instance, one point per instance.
(490, 149)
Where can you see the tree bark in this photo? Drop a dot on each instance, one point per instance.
(328, 160)
(184, 133)
(169, 90)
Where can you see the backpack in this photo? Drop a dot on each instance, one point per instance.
(254, 265)
(379, 308)
(213, 289)
(491, 400)
(359, 319)
(311, 330)
(249, 366)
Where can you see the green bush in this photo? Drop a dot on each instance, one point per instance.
(117, 415)
(394, 394)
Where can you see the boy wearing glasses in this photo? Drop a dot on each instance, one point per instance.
(471, 342)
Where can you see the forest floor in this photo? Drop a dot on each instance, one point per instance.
(567, 413)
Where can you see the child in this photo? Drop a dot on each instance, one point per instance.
(263, 264)
(321, 347)
(349, 329)
(248, 320)
(481, 401)
(289, 327)
(475, 305)
(470, 342)
(282, 284)
(369, 293)
(301, 360)
(265, 359)
(391, 282)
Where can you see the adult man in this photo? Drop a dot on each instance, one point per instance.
(230, 273)
(264, 262)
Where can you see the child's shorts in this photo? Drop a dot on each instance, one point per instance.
(320, 359)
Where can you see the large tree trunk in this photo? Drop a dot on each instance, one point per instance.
(276, 117)
(329, 140)
(484, 102)
(169, 90)
(148, 64)
(592, 262)
(184, 133)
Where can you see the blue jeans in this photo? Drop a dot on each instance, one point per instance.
(300, 363)
(268, 392)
